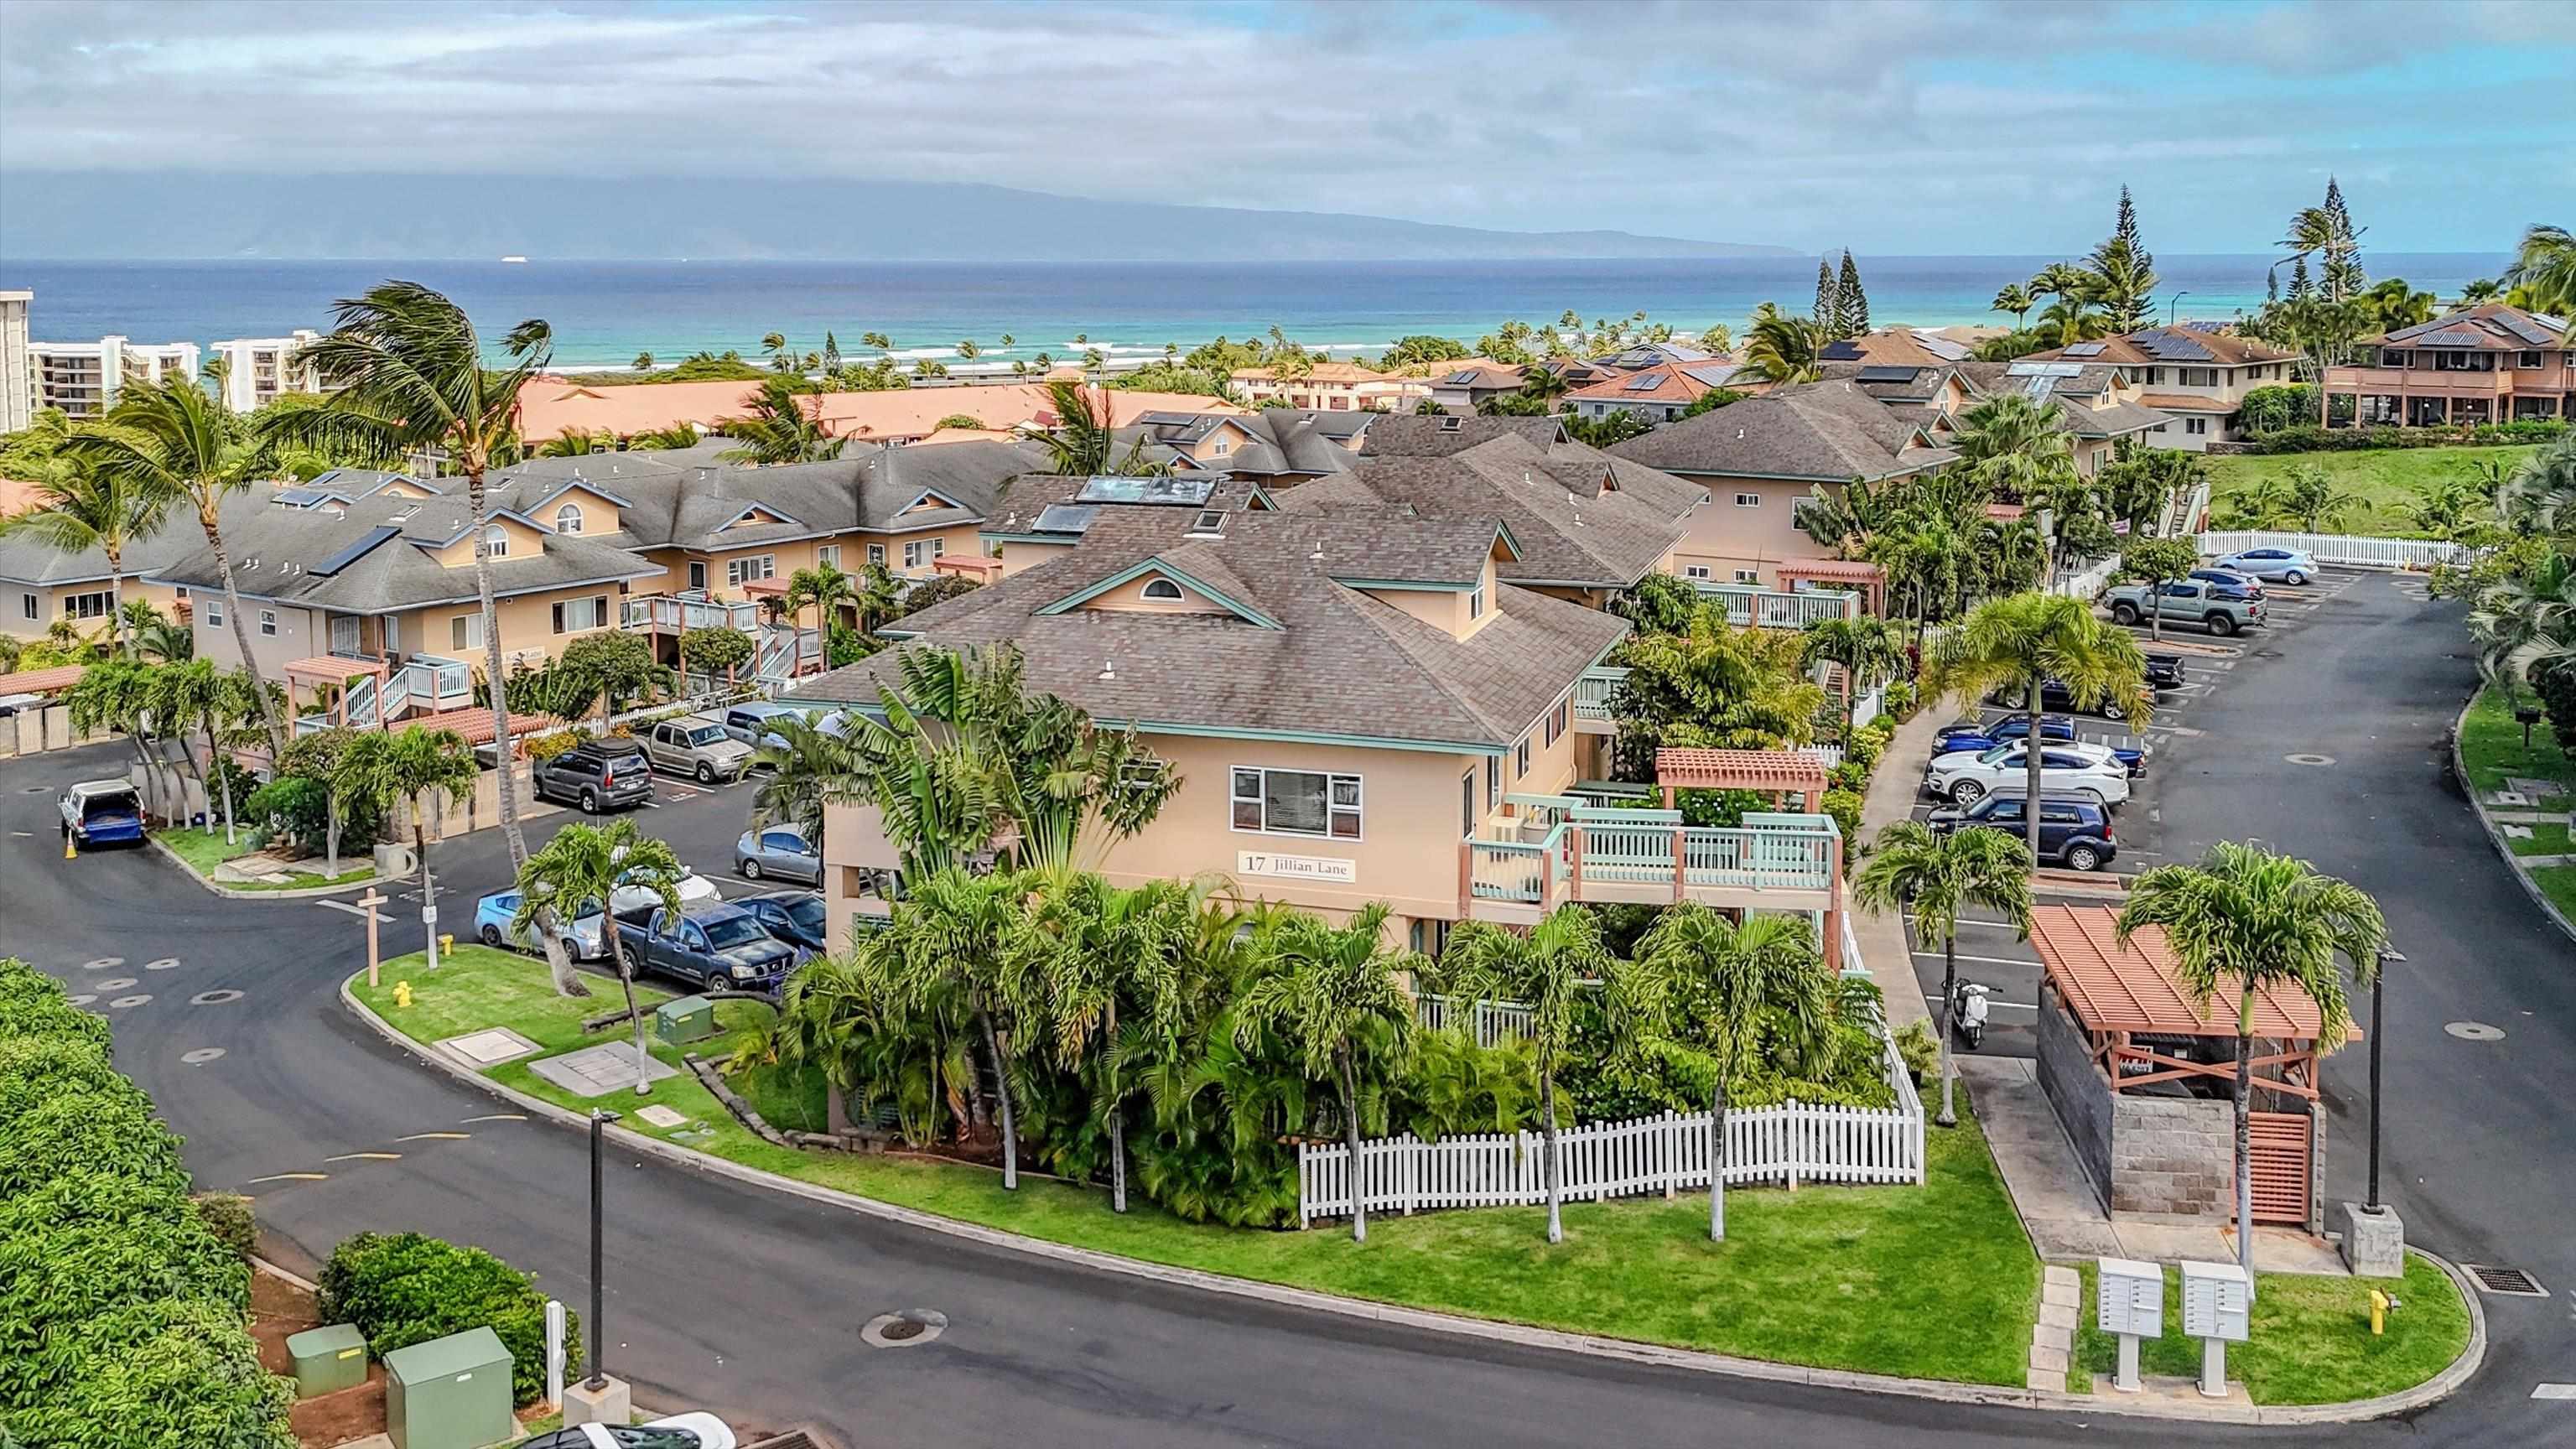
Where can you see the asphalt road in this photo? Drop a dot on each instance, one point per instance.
(748, 1303)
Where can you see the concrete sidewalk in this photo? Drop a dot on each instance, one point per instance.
(1892, 794)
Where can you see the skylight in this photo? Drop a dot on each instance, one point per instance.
(1180, 490)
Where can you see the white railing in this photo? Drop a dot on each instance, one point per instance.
(1867, 707)
(1832, 755)
(675, 614)
(2340, 548)
(1778, 608)
(1491, 1023)
(2088, 581)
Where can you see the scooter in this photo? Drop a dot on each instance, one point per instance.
(1968, 1013)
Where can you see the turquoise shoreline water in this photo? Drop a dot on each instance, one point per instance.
(604, 313)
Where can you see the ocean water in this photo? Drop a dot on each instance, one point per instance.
(604, 313)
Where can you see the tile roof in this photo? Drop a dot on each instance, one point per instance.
(1339, 663)
(1680, 383)
(549, 405)
(1827, 431)
(1894, 346)
(42, 681)
(2183, 402)
(2138, 988)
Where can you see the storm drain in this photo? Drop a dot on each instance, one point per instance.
(2512, 1282)
(908, 1329)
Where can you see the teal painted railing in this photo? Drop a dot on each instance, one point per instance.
(1788, 853)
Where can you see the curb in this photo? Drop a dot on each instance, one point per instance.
(2495, 833)
(227, 892)
(1426, 1320)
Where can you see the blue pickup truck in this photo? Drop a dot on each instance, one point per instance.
(102, 812)
(713, 945)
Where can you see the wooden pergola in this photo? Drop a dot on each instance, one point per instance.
(2120, 994)
(329, 677)
(1868, 578)
(1776, 773)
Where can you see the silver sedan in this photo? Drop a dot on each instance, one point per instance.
(777, 853)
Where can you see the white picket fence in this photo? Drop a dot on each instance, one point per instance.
(1491, 1022)
(2340, 548)
(2089, 580)
(1790, 1143)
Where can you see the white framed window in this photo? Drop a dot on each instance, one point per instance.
(1493, 782)
(922, 550)
(268, 622)
(1748, 576)
(1295, 802)
(1476, 602)
(1163, 591)
(829, 553)
(214, 611)
(568, 518)
(1695, 571)
(572, 616)
(465, 631)
(876, 553)
(96, 605)
(741, 571)
(496, 542)
(27, 605)
(1521, 759)
(697, 576)
(1748, 500)
(2196, 427)
(1224, 446)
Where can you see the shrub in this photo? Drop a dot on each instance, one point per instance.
(1920, 1052)
(713, 651)
(1848, 776)
(299, 807)
(1844, 806)
(1862, 751)
(406, 1288)
(2309, 438)
(2557, 688)
(1900, 701)
(228, 1216)
(541, 748)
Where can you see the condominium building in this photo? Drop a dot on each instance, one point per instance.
(257, 370)
(17, 383)
(2488, 364)
(82, 379)
(2196, 374)
(1329, 387)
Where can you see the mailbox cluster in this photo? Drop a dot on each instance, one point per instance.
(2217, 1309)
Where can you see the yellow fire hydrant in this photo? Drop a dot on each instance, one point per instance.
(402, 998)
(447, 943)
(2380, 1303)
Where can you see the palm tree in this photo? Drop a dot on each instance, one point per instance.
(775, 344)
(1781, 348)
(780, 428)
(2541, 494)
(185, 698)
(967, 351)
(2544, 270)
(826, 588)
(2484, 289)
(1938, 874)
(2014, 446)
(953, 935)
(77, 508)
(172, 440)
(2392, 304)
(671, 435)
(2016, 299)
(404, 370)
(1335, 1000)
(878, 596)
(1868, 650)
(116, 694)
(810, 771)
(643, 362)
(582, 867)
(1007, 341)
(2016, 645)
(1083, 442)
(2251, 920)
(1722, 985)
(388, 768)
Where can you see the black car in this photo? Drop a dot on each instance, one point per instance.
(601, 774)
(2164, 670)
(2053, 696)
(795, 917)
(2074, 831)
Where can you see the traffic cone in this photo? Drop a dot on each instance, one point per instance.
(71, 847)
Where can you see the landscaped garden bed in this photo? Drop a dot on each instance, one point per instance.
(202, 852)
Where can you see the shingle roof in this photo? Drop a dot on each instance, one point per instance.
(377, 568)
(1339, 663)
(1891, 346)
(1828, 431)
(2489, 326)
(1283, 441)
(2168, 345)
(1413, 436)
(24, 559)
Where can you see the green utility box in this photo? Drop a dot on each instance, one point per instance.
(328, 1359)
(450, 1393)
(685, 1019)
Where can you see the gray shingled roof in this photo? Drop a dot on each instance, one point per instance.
(25, 560)
(1414, 436)
(1301, 441)
(1340, 663)
(383, 567)
(1827, 431)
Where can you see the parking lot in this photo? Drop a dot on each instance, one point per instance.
(1990, 951)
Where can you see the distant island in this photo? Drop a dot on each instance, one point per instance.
(96, 215)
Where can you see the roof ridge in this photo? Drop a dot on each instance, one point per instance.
(1393, 623)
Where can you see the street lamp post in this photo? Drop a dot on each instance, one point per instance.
(600, 1117)
(2378, 1044)
(2174, 302)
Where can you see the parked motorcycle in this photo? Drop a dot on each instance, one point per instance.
(1968, 1013)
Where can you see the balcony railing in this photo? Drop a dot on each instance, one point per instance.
(1776, 608)
(1656, 858)
(1592, 693)
(678, 614)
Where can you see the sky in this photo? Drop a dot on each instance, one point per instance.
(1889, 126)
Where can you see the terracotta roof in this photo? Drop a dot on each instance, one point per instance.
(549, 405)
(2138, 987)
(474, 722)
(41, 681)
(1740, 769)
(2183, 402)
(1832, 570)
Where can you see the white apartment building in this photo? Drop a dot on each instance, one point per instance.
(17, 385)
(259, 369)
(83, 378)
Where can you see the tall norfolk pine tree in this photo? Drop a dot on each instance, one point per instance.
(1852, 312)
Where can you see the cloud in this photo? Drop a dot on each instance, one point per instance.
(1900, 125)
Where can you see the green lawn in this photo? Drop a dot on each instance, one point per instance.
(2384, 478)
(1932, 1282)
(2545, 840)
(2491, 746)
(2312, 1342)
(204, 851)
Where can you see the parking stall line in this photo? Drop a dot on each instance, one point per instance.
(1934, 997)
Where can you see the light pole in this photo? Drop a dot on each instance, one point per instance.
(2378, 1044)
(600, 1117)
(2173, 302)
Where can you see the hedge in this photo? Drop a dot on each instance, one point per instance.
(2309, 438)
(407, 1288)
(123, 1317)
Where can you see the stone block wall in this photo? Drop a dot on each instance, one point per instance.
(2075, 1090)
(2172, 1156)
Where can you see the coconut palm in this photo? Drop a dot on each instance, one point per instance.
(953, 936)
(2541, 494)
(2248, 920)
(171, 439)
(116, 694)
(671, 435)
(581, 868)
(2016, 299)
(780, 428)
(1721, 986)
(76, 508)
(574, 443)
(389, 769)
(2392, 304)
(2071, 319)
(826, 588)
(1938, 875)
(2014, 447)
(1867, 649)
(1781, 348)
(643, 362)
(184, 699)
(2015, 645)
(879, 595)
(1335, 1000)
(1083, 442)
(775, 344)
(404, 371)
(2544, 270)
(810, 771)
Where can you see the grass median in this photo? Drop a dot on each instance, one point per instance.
(2492, 751)
(2383, 479)
(1934, 1282)
(203, 851)
(2312, 1342)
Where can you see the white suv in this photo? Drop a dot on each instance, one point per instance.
(2064, 769)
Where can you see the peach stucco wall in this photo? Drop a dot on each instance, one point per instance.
(1725, 536)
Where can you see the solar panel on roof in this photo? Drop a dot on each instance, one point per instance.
(2172, 346)
(2085, 349)
(1188, 489)
(326, 477)
(1715, 374)
(297, 497)
(2527, 330)
(2045, 369)
(1644, 382)
(1463, 378)
(1948, 349)
(355, 551)
(1889, 374)
(2453, 337)
(1841, 350)
(1065, 518)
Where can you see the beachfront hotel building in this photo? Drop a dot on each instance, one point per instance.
(82, 379)
(258, 370)
(17, 383)
(1330, 387)
(2487, 364)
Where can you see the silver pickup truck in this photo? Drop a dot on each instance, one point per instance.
(696, 746)
(2188, 601)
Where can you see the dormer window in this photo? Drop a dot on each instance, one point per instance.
(496, 542)
(1476, 603)
(1163, 591)
(568, 518)
(1209, 524)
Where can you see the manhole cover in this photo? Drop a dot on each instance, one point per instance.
(2309, 759)
(103, 963)
(2474, 1031)
(201, 1056)
(115, 983)
(909, 1329)
(2512, 1282)
(83, 999)
(166, 963)
(214, 998)
(123, 1002)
